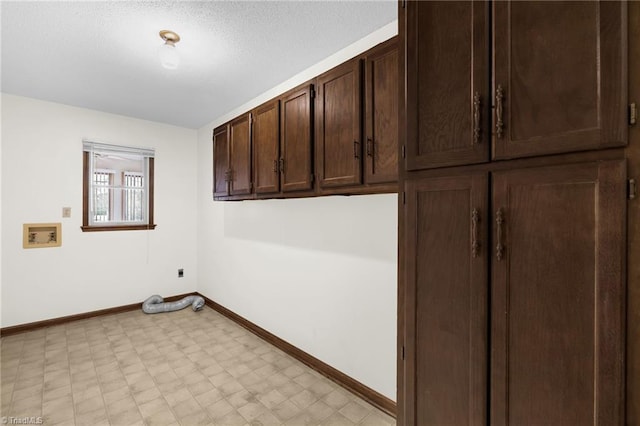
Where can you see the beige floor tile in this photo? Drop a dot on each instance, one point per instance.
(147, 395)
(376, 418)
(186, 408)
(219, 409)
(147, 409)
(285, 410)
(126, 418)
(124, 404)
(207, 398)
(231, 419)
(196, 419)
(354, 411)
(178, 368)
(337, 419)
(177, 396)
(319, 411)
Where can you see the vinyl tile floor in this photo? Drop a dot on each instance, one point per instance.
(178, 368)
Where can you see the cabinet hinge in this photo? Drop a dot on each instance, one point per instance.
(402, 353)
(313, 93)
(631, 189)
(404, 197)
(404, 151)
(633, 114)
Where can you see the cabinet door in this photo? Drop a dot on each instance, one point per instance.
(560, 72)
(445, 234)
(266, 148)
(381, 82)
(558, 295)
(240, 155)
(296, 166)
(221, 161)
(447, 109)
(339, 145)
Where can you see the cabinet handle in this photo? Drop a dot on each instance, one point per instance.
(475, 244)
(282, 165)
(499, 245)
(356, 146)
(369, 147)
(275, 166)
(476, 118)
(499, 123)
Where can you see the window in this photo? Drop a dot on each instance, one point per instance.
(117, 188)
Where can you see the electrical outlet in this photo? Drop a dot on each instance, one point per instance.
(180, 273)
(66, 212)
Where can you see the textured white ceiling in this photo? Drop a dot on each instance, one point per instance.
(103, 55)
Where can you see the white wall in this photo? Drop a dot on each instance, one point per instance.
(319, 273)
(42, 172)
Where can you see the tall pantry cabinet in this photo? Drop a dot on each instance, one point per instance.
(512, 236)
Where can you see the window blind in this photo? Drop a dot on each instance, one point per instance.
(89, 146)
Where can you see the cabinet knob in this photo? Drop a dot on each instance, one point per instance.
(475, 244)
(499, 122)
(369, 147)
(499, 245)
(476, 118)
(356, 149)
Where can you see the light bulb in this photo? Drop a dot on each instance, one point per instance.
(169, 57)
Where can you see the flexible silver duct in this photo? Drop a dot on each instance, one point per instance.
(155, 304)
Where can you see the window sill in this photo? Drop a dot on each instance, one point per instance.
(118, 228)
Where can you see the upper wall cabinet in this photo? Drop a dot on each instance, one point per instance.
(266, 148)
(232, 159)
(447, 47)
(221, 161)
(561, 90)
(559, 69)
(296, 157)
(283, 142)
(338, 126)
(381, 114)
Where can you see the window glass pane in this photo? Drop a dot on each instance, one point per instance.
(118, 190)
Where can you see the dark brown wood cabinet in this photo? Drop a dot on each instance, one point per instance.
(445, 313)
(381, 114)
(338, 126)
(558, 295)
(512, 264)
(447, 98)
(266, 148)
(240, 155)
(339, 130)
(221, 161)
(559, 76)
(558, 73)
(296, 160)
(555, 240)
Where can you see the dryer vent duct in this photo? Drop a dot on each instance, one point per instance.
(156, 304)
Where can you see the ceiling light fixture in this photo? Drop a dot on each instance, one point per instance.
(169, 57)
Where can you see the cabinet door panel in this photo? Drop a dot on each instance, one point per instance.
(561, 66)
(297, 139)
(220, 161)
(381, 80)
(240, 155)
(266, 148)
(447, 48)
(339, 145)
(446, 301)
(558, 296)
